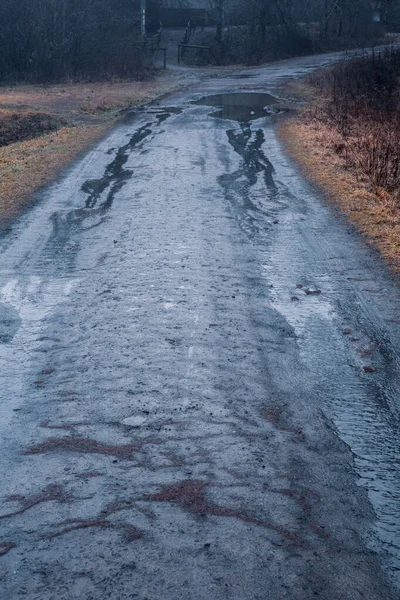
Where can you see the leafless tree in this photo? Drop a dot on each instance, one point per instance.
(57, 39)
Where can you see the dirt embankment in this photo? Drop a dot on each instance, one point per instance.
(43, 128)
(317, 147)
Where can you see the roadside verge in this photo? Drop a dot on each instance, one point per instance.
(85, 112)
(317, 148)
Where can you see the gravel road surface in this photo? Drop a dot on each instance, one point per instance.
(199, 367)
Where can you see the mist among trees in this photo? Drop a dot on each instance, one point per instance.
(50, 40)
(57, 39)
(267, 28)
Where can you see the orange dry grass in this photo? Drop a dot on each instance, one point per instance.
(314, 144)
(26, 166)
(68, 100)
(92, 108)
(5, 113)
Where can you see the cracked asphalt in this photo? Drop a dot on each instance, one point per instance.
(199, 371)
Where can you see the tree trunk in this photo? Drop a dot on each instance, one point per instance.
(219, 35)
(263, 25)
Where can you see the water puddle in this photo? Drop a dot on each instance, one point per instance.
(244, 76)
(356, 403)
(242, 107)
(251, 187)
(115, 175)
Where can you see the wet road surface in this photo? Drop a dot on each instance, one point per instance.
(199, 372)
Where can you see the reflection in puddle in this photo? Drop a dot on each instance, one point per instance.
(250, 187)
(242, 107)
(115, 175)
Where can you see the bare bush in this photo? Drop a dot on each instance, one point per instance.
(17, 127)
(362, 104)
(250, 31)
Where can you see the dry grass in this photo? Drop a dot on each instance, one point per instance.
(89, 110)
(20, 126)
(28, 165)
(317, 147)
(76, 100)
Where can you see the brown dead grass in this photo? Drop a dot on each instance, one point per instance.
(315, 146)
(20, 126)
(28, 165)
(76, 100)
(89, 111)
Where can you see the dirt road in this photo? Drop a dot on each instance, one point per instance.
(199, 372)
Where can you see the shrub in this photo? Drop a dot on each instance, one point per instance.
(18, 127)
(362, 103)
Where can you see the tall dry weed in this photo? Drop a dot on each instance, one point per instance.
(362, 103)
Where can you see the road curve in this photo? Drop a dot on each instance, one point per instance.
(199, 373)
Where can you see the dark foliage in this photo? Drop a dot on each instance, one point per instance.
(363, 104)
(49, 40)
(18, 127)
(255, 30)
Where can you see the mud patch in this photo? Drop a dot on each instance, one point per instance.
(88, 446)
(47, 425)
(274, 414)
(190, 495)
(53, 492)
(130, 532)
(47, 371)
(242, 107)
(5, 547)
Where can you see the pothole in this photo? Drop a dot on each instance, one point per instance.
(242, 107)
